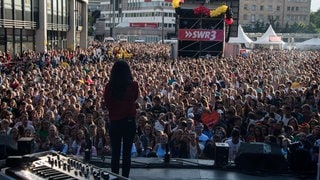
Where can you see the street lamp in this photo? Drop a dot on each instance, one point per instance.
(113, 18)
(159, 8)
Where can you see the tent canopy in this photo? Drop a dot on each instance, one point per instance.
(313, 43)
(242, 37)
(269, 38)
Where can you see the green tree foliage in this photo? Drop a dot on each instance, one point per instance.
(92, 18)
(313, 27)
(315, 20)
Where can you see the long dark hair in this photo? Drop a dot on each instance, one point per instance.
(120, 79)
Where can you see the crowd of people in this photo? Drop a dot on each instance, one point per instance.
(269, 96)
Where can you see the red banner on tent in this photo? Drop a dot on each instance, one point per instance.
(144, 25)
(274, 38)
(210, 118)
(200, 35)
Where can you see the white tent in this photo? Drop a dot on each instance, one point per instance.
(313, 43)
(241, 39)
(270, 40)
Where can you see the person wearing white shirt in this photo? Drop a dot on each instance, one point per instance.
(234, 144)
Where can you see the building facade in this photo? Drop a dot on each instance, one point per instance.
(134, 19)
(42, 24)
(150, 20)
(282, 13)
(144, 17)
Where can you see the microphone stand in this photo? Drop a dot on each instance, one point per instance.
(167, 155)
(318, 170)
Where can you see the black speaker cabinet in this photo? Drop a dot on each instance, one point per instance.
(221, 155)
(261, 156)
(25, 145)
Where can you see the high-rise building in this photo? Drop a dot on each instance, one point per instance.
(43, 24)
(279, 13)
(138, 18)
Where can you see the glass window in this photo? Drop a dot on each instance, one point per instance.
(18, 10)
(8, 13)
(2, 39)
(245, 7)
(8, 4)
(27, 5)
(18, 4)
(17, 35)
(245, 17)
(49, 7)
(17, 47)
(54, 7)
(27, 10)
(10, 46)
(253, 18)
(1, 11)
(27, 46)
(60, 20)
(10, 39)
(253, 7)
(65, 13)
(54, 11)
(35, 10)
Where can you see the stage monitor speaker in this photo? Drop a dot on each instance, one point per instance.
(300, 161)
(221, 155)
(25, 145)
(261, 156)
(255, 148)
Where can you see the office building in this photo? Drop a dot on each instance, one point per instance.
(283, 13)
(43, 24)
(136, 19)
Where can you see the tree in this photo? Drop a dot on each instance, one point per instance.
(313, 27)
(92, 19)
(315, 20)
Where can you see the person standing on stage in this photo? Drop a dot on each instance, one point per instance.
(120, 95)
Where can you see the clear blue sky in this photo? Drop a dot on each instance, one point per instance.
(315, 5)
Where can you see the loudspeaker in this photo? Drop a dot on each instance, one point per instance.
(300, 161)
(221, 155)
(261, 156)
(25, 145)
(255, 148)
(199, 47)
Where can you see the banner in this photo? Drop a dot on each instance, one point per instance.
(144, 25)
(274, 38)
(200, 35)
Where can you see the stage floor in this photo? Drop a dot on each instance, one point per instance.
(195, 169)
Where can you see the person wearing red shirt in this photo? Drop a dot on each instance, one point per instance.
(120, 95)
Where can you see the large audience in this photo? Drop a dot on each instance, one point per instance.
(187, 105)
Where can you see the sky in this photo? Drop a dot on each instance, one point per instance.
(315, 5)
